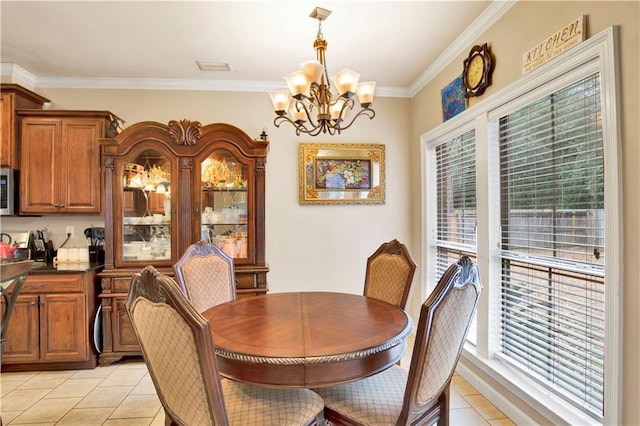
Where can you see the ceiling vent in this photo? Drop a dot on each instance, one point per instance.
(213, 66)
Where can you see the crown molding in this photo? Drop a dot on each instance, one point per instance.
(184, 84)
(16, 74)
(21, 76)
(461, 45)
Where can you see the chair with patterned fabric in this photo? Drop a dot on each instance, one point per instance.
(421, 395)
(390, 274)
(178, 349)
(205, 274)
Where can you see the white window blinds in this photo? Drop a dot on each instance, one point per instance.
(456, 188)
(552, 240)
(456, 220)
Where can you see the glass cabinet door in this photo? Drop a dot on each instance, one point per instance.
(225, 185)
(146, 208)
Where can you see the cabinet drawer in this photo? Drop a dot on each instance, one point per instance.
(121, 285)
(245, 281)
(67, 283)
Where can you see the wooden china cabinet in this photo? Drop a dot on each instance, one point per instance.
(167, 187)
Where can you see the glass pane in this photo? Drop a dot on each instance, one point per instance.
(146, 220)
(553, 248)
(224, 208)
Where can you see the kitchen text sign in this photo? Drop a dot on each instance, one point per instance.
(565, 38)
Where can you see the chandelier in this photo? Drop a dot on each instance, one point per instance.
(314, 107)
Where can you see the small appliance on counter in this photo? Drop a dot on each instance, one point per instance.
(41, 246)
(8, 192)
(15, 245)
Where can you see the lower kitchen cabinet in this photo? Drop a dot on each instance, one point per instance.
(52, 324)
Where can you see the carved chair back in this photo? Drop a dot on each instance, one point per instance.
(206, 275)
(390, 273)
(177, 348)
(445, 318)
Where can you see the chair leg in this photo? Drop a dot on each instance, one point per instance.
(443, 399)
(336, 419)
(168, 421)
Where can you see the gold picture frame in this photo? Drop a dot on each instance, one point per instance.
(334, 173)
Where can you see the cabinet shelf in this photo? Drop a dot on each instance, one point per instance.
(225, 223)
(223, 189)
(148, 224)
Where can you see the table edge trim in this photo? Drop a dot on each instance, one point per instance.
(281, 360)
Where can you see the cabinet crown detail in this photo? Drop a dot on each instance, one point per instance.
(185, 132)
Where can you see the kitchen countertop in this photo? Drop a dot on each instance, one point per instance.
(40, 268)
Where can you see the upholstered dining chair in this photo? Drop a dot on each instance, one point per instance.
(389, 274)
(421, 395)
(205, 274)
(178, 349)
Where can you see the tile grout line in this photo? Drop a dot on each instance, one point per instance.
(461, 382)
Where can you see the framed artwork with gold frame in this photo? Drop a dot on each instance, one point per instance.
(334, 173)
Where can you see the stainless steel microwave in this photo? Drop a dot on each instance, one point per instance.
(8, 190)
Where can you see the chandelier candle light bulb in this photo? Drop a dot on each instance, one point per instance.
(310, 105)
(314, 70)
(336, 109)
(346, 82)
(299, 85)
(280, 100)
(298, 116)
(365, 92)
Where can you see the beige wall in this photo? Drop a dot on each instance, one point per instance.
(309, 248)
(325, 247)
(524, 25)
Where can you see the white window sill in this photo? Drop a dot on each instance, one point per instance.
(554, 409)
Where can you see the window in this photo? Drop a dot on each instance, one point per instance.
(552, 222)
(456, 200)
(528, 183)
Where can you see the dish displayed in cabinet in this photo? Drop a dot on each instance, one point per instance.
(225, 216)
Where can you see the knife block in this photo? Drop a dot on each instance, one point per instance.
(96, 254)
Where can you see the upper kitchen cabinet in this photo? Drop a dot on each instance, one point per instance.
(60, 160)
(13, 97)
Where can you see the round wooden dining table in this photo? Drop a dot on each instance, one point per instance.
(307, 339)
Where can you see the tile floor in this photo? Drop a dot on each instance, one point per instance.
(123, 394)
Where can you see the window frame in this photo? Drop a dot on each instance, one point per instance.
(597, 54)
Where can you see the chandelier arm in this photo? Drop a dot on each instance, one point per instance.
(302, 106)
(348, 103)
(368, 112)
(316, 131)
(300, 128)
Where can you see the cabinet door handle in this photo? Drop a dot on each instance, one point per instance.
(37, 285)
(32, 303)
(41, 303)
